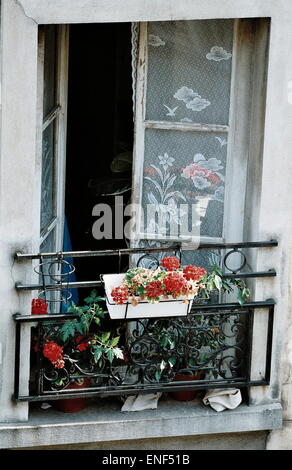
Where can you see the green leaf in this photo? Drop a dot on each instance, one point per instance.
(59, 382)
(118, 353)
(68, 329)
(218, 281)
(105, 337)
(162, 365)
(110, 355)
(163, 341)
(97, 353)
(81, 327)
(240, 297)
(172, 361)
(141, 290)
(114, 341)
(157, 375)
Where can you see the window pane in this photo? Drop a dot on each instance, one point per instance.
(48, 245)
(49, 69)
(185, 168)
(47, 196)
(189, 71)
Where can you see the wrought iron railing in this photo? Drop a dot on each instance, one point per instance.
(216, 338)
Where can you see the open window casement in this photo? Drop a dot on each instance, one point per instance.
(195, 88)
(52, 111)
(53, 76)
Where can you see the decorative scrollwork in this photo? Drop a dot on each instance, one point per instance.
(156, 349)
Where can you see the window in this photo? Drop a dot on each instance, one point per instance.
(195, 90)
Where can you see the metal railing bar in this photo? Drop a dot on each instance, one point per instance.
(17, 360)
(93, 253)
(269, 273)
(18, 317)
(269, 344)
(91, 284)
(125, 251)
(235, 305)
(249, 345)
(43, 317)
(69, 285)
(140, 389)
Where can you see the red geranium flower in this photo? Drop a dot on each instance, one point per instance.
(194, 272)
(154, 289)
(82, 343)
(175, 284)
(82, 346)
(120, 295)
(170, 263)
(53, 352)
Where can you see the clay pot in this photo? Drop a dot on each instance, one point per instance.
(186, 395)
(73, 405)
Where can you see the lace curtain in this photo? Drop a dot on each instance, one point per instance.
(188, 82)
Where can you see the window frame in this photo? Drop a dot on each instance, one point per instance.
(58, 117)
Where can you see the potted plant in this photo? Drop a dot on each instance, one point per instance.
(77, 351)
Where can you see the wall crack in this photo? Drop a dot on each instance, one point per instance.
(19, 3)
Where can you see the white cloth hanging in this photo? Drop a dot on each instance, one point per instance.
(222, 399)
(141, 402)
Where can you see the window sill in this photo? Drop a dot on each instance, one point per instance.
(104, 421)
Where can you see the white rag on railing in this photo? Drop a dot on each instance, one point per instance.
(220, 399)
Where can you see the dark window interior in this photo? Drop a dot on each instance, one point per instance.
(99, 136)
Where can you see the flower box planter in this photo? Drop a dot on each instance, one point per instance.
(144, 309)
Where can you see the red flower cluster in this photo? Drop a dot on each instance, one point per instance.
(170, 263)
(173, 281)
(81, 345)
(154, 289)
(194, 272)
(38, 306)
(120, 295)
(175, 284)
(53, 352)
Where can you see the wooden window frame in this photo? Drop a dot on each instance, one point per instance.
(58, 116)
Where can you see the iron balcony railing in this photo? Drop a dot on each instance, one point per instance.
(215, 337)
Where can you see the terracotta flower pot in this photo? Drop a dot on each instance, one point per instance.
(73, 405)
(186, 395)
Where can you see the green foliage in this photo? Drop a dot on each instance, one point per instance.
(105, 347)
(85, 330)
(86, 315)
(215, 281)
